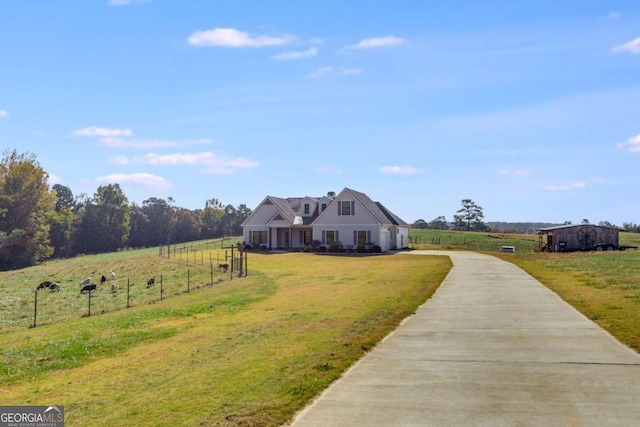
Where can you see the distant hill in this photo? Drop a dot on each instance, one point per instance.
(518, 227)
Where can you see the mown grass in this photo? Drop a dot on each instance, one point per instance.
(469, 240)
(248, 352)
(604, 286)
(174, 276)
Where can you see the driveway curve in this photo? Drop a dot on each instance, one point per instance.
(492, 347)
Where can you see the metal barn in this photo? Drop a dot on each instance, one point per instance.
(580, 237)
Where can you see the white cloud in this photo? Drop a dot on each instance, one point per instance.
(630, 47)
(515, 172)
(120, 160)
(125, 2)
(329, 71)
(377, 42)
(400, 170)
(632, 144)
(350, 71)
(564, 187)
(284, 56)
(102, 132)
(230, 37)
(54, 179)
(114, 142)
(141, 179)
(3, 113)
(320, 72)
(329, 170)
(210, 163)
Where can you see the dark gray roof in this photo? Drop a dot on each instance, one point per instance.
(377, 209)
(291, 209)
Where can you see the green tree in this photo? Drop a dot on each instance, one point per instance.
(60, 231)
(25, 204)
(61, 221)
(242, 213)
(420, 224)
(212, 219)
(64, 197)
(188, 226)
(439, 223)
(139, 232)
(471, 215)
(104, 221)
(160, 215)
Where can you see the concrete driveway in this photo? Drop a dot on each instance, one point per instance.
(492, 347)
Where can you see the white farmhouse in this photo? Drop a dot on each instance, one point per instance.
(350, 219)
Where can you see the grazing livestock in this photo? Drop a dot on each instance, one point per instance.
(224, 267)
(85, 282)
(43, 285)
(114, 286)
(113, 275)
(151, 282)
(55, 287)
(103, 280)
(88, 288)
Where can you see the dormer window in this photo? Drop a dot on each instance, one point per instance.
(346, 207)
(307, 208)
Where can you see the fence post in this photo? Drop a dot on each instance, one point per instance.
(35, 309)
(187, 280)
(89, 313)
(161, 290)
(211, 272)
(128, 285)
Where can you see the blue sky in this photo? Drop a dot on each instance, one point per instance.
(531, 109)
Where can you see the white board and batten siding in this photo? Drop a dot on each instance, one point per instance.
(258, 221)
(347, 217)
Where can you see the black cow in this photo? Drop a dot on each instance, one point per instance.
(43, 285)
(90, 287)
(224, 266)
(103, 280)
(55, 287)
(151, 282)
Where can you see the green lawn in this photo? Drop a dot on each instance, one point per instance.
(251, 351)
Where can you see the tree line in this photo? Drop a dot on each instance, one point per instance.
(38, 222)
(470, 218)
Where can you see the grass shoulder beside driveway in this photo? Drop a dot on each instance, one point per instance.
(604, 286)
(253, 351)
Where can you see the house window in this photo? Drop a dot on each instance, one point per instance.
(259, 237)
(305, 237)
(323, 207)
(362, 237)
(306, 208)
(346, 207)
(330, 237)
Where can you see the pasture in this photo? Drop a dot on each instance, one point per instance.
(253, 351)
(249, 351)
(473, 241)
(133, 269)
